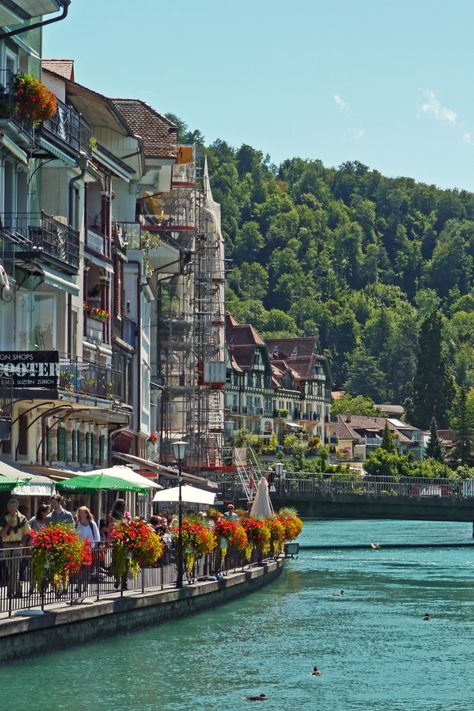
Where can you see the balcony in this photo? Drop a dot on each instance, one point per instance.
(97, 242)
(79, 376)
(41, 237)
(68, 129)
(27, 9)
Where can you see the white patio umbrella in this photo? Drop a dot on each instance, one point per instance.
(262, 506)
(189, 495)
(125, 473)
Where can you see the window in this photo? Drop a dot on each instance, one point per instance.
(23, 435)
(61, 444)
(74, 452)
(36, 322)
(101, 449)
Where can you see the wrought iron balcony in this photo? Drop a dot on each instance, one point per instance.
(79, 376)
(69, 127)
(42, 237)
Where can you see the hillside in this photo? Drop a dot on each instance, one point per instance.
(358, 258)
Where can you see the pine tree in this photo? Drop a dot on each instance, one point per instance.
(434, 449)
(463, 445)
(432, 389)
(387, 440)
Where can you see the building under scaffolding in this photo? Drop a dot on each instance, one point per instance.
(190, 319)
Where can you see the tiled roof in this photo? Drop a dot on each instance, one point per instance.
(159, 134)
(62, 67)
(290, 347)
(354, 427)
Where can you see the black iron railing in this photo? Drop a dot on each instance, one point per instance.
(37, 235)
(65, 124)
(18, 592)
(77, 375)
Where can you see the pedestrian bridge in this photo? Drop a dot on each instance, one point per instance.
(377, 498)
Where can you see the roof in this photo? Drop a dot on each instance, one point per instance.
(291, 347)
(352, 427)
(62, 67)
(158, 133)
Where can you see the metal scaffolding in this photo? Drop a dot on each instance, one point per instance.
(191, 320)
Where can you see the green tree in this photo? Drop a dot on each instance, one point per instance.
(434, 449)
(358, 405)
(432, 389)
(463, 426)
(387, 440)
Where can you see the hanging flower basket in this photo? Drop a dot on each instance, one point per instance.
(230, 535)
(291, 522)
(197, 540)
(153, 438)
(134, 545)
(58, 553)
(34, 102)
(277, 536)
(258, 535)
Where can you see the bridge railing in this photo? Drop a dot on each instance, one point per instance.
(375, 487)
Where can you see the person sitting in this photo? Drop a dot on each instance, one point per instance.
(59, 514)
(39, 520)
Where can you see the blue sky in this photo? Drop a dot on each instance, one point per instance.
(385, 82)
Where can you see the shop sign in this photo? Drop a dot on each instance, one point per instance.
(30, 369)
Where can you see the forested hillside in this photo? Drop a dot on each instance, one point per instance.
(355, 257)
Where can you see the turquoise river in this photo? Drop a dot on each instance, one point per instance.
(375, 651)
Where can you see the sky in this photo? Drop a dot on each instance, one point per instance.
(385, 82)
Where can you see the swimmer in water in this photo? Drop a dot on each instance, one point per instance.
(260, 697)
(316, 672)
(375, 546)
(339, 594)
(426, 616)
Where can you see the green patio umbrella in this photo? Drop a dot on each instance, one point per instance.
(94, 483)
(7, 483)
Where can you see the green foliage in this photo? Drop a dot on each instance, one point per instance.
(432, 389)
(387, 443)
(346, 254)
(434, 449)
(354, 405)
(463, 430)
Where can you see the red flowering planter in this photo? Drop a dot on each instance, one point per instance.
(134, 545)
(34, 102)
(197, 540)
(58, 553)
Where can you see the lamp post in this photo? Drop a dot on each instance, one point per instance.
(278, 474)
(179, 451)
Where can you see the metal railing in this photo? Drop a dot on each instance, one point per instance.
(18, 591)
(68, 125)
(97, 242)
(40, 236)
(376, 487)
(77, 375)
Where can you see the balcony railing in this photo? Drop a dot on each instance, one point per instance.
(77, 375)
(39, 236)
(68, 125)
(7, 255)
(97, 242)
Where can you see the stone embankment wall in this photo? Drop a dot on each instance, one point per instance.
(88, 622)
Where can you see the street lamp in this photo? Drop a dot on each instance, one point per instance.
(179, 451)
(278, 469)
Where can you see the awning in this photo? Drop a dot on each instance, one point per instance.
(60, 281)
(67, 160)
(294, 425)
(35, 485)
(15, 150)
(166, 471)
(99, 262)
(189, 494)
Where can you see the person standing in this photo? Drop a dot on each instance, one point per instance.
(58, 513)
(86, 529)
(39, 521)
(15, 533)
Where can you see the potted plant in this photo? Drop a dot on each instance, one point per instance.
(197, 540)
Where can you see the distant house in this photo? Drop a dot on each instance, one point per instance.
(354, 437)
(274, 386)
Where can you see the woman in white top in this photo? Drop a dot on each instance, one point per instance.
(86, 527)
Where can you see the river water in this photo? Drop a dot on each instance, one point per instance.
(375, 651)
